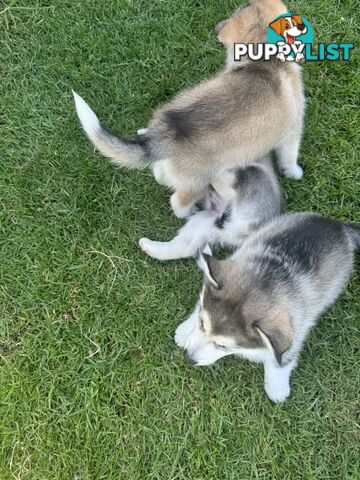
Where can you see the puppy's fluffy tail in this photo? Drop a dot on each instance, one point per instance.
(133, 152)
(354, 231)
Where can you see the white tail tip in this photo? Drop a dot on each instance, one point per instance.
(87, 117)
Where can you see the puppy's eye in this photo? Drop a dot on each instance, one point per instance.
(219, 346)
(201, 325)
(287, 25)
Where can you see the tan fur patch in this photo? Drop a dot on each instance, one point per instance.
(278, 331)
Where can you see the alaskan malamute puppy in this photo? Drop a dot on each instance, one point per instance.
(231, 120)
(261, 303)
(241, 201)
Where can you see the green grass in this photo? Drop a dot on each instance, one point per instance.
(91, 384)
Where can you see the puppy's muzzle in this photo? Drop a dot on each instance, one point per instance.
(188, 358)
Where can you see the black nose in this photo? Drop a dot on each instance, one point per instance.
(301, 27)
(188, 358)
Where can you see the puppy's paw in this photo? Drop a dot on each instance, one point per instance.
(295, 172)
(182, 333)
(146, 246)
(142, 131)
(277, 392)
(179, 210)
(158, 250)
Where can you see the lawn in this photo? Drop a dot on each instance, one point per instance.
(92, 386)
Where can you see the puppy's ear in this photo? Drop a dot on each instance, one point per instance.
(277, 26)
(220, 26)
(211, 268)
(276, 333)
(297, 18)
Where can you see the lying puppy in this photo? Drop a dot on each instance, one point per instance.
(230, 120)
(261, 303)
(242, 201)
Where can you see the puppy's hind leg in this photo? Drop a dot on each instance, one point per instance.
(193, 236)
(183, 201)
(287, 153)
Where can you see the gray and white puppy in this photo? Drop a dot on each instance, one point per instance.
(261, 302)
(241, 201)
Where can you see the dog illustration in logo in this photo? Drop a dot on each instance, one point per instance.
(289, 27)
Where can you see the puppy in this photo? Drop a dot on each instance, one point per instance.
(231, 120)
(242, 200)
(261, 303)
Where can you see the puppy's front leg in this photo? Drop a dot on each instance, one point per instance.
(287, 153)
(277, 380)
(184, 329)
(192, 237)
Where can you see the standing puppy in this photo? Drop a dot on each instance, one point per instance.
(261, 303)
(230, 120)
(242, 201)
